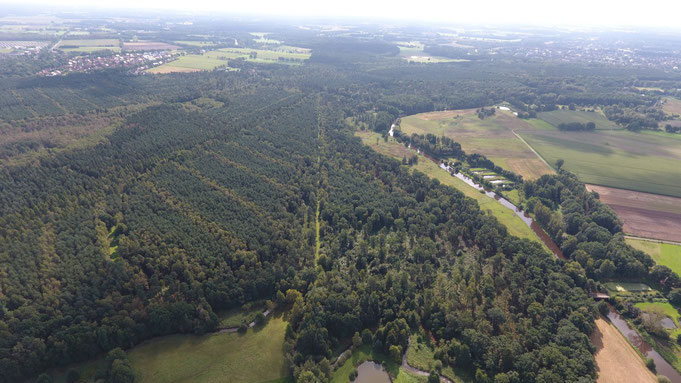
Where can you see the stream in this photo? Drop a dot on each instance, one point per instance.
(532, 224)
(661, 365)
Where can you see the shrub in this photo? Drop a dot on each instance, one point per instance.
(650, 363)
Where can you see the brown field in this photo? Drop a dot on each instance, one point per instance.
(148, 45)
(172, 69)
(494, 137)
(672, 105)
(443, 115)
(643, 214)
(616, 360)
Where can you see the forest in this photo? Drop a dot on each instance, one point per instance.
(140, 206)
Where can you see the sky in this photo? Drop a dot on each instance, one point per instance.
(650, 13)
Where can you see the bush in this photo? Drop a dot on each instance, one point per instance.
(243, 327)
(603, 308)
(44, 378)
(72, 376)
(650, 363)
(367, 337)
(663, 379)
(353, 375)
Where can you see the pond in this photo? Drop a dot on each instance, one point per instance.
(371, 372)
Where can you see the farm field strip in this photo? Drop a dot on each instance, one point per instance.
(565, 116)
(616, 359)
(645, 162)
(494, 137)
(643, 214)
(667, 254)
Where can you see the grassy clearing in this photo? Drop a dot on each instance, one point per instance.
(364, 353)
(256, 356)
(666, 254)
(194, 43)
(245, 314)
(492, 137)
(396, 150)
(556, 117)
(671, 105)
(618, 158)
(422, 356)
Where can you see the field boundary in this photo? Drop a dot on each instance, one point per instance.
(652, 240)
(531, 148)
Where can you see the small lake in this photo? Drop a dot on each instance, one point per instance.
(371, 372)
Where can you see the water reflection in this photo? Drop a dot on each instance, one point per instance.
(371, 372)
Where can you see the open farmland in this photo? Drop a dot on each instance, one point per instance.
(189, 63)
(256, 356)
(412, 51)
(646, 161)
(148, 46)
(393, 149)
(671, 106)
(616, 359)
(667, 254)
(644, 214)
(492, 137)
(89, 45)
(566, 116)
(213, 59)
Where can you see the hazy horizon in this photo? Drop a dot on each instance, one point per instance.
(656, 14)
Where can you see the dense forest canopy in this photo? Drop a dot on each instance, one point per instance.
(139, 206)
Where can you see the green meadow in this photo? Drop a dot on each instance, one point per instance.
(256, 356)
(646, 162)
(666, 254)
(556, 117)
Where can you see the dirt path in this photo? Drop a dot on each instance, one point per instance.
(532, 149)
(616, 360)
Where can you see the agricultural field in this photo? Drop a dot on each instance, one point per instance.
(494, 137)
(556, 117)
(189, 63)
(256, 356)
(645, 161)
(262, 38)
(148, 46)
(195, 43)
(643, 214)
(213, 59)
(666, 254)
(80, 44)
(412, 51)
(671, 106)
(393, 149)
(616, 359)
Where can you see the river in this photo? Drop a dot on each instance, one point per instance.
(661, 365)
(532, 224)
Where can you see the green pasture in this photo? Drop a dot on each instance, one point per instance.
(666, 254)
(556, 117)
(646, 162)
(256, 356)
(237, 316)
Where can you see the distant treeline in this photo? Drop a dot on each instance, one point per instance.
(572, 126)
